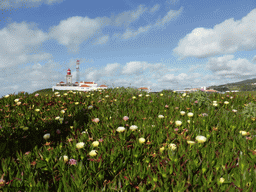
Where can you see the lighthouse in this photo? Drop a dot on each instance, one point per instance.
(77, 71)
(69, 78)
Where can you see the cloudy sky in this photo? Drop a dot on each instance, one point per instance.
(164, 44)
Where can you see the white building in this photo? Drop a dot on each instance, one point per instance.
(191, 90)
(82, 86)
(144, 89)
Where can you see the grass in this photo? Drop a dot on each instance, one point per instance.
(126, 140)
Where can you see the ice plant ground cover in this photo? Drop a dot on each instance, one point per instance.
(120, 140)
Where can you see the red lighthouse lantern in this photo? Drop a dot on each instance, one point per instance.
(68, 72)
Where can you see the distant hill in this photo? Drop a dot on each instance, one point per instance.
(245, 85)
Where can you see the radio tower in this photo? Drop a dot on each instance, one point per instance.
(77, 71)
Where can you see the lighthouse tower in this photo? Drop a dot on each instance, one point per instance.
(77, 71)
(69, 78)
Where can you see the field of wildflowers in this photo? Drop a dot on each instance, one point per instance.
(125, 140)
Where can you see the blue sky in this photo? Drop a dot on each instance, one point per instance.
(131, 43)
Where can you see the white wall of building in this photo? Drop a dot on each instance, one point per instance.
(77, 88)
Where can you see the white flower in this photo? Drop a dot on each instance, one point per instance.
(160, 116)
(93, 153)
(191, 142)
(178, 123)
(133, 127)
(190, 114)
(95, 143)
(172, 146)
(120, 129)
(80, 145)
(201, 139)
(182, 112)
(90, 107)
(47, 136)
(226, 102)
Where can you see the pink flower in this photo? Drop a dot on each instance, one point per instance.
(96, 120)
(72, 162)
(125, 118)
(36, 94)
(166, 106)
(176, 129)
(204, 114)
(100, 140)
(58, 131)
(196, 101)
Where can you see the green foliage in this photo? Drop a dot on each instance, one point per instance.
(201, 97)
(249, 110)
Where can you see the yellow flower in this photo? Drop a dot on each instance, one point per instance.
(93, 153)
(16, 100)
(142, 140)
(65, 157)
(244, 133)
(222, 180)
(161, 149)
(95, 143)
(47, 136)
(80, 145)
(201, 139)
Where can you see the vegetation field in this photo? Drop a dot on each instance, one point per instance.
(121, 139)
